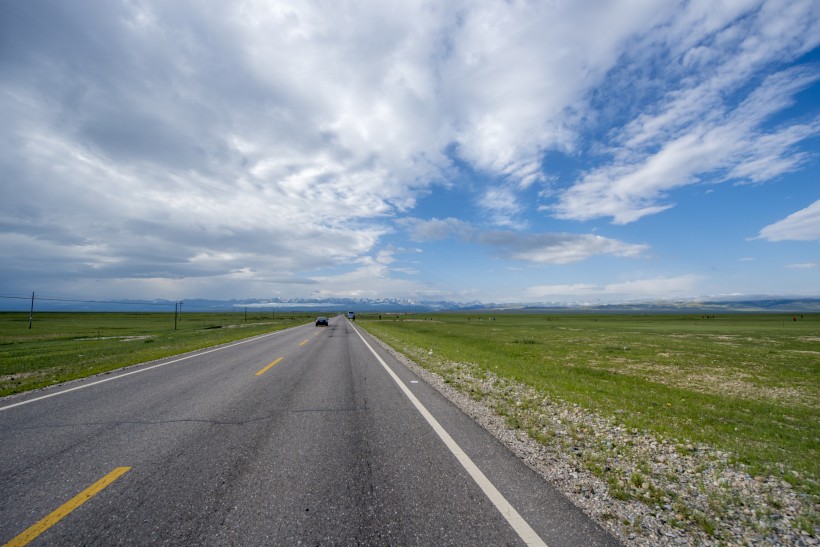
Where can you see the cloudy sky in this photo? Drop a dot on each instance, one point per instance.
(501, 151)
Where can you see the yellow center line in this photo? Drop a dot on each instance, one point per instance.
(303, 342)
(61, 512)
(267, 368)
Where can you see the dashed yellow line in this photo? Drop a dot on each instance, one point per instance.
(267, 368)
(61, 512)
(303, 342)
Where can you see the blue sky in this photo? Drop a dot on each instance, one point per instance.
(525, 152)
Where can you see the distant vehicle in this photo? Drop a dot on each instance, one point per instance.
(321, 321)
(351, 315)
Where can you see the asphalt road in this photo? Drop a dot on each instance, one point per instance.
(219, 447)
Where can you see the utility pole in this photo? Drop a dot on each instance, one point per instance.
(31, 311)
(176, 314)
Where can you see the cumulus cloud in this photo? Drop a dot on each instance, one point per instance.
(804, 225)
(518, 78)
(185, 146)
(164, 140)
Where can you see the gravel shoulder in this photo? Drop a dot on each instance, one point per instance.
(644, 490)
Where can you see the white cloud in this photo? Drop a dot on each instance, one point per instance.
(502, 205)
(631, 189)
(805, 265)
(436, 229)
(660, 287)
(733, 41)
(558, 248)
(695, 131)
(540, 248)
(212, 150)
(224, 147)
(804, 225)
(374, 278)
(518, 74)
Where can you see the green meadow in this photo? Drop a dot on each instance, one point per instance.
(745, 384)
(64, 346)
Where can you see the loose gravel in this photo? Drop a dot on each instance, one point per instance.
(643, 489)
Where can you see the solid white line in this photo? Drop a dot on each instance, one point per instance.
(524, 531)
(219, 348)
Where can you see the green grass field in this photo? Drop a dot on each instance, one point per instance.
(63, 346)
(746, 384)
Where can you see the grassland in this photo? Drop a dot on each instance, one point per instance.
(66, 346)
(747, 385)
(718, 394)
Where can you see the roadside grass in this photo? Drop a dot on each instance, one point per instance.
(745, 384)
(64, 346)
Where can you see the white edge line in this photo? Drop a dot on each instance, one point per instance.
(69, 390)
(524, 531)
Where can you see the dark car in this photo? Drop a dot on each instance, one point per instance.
(321, 321)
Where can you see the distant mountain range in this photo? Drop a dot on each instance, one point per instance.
(769, 305)
(392, 305)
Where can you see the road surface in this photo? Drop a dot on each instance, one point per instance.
(306, 436)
